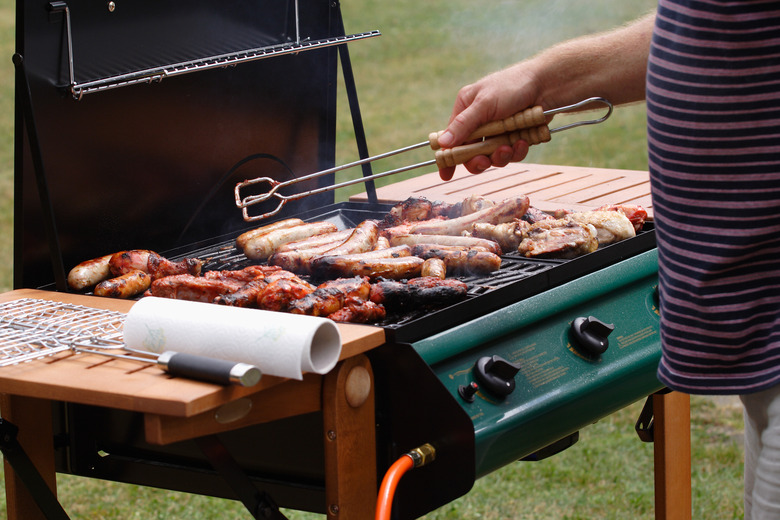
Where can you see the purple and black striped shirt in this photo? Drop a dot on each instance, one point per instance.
(713, 102)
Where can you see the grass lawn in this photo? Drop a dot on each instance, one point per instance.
(407, 80)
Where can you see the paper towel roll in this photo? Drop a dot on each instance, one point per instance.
(277, 343)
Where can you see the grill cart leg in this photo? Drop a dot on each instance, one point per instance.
(350, 440)
(666, 421)
(30, 481)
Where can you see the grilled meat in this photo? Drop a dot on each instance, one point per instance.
(158, 266)
(328, 239)
(242, 276)
(559, 238)
(635, 214)
(507, 235)
(359, 311)
(193, 288)
(89, 273)
(362, 239)
(534, 215)
(446, 241)
(262, 246)
(330, 296)
(611, 226)
(460, 261)
(434, 267)
(503, 211)
(280, 293)
(124, 286)
(245, 237)
(416, 209)
(417, 292)
(246, 296)
(125, 262)
(382, 262)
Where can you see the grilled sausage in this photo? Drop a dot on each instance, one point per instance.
(159, 266)
(504, 211)
(125, 286)
(392, 268)
(89, 273)
(362, 239)
(243, 238)
(262, 246)
(447, 240)
(329, 266)
(434, 267)
(331, 239)
(298, 261)
(464, 262)
(125, 262)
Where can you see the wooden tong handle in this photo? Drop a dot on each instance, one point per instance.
(449, 157)
(528, 118)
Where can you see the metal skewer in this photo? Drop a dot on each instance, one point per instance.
(529, 125)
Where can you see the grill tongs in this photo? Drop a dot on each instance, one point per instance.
(529, 125)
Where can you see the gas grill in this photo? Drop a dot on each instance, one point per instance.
(134, 123)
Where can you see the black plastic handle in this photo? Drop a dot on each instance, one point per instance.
(208, 369)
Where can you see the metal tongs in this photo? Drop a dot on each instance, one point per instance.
(529, 125)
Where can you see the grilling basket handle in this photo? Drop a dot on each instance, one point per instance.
(208, 369)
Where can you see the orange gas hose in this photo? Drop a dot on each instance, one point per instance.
(384, 502)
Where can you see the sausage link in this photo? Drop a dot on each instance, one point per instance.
(125, 286)
(263, 246)
(89, 273)
(434, 267)
(245, 237)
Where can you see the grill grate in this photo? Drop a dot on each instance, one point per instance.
(31, 328)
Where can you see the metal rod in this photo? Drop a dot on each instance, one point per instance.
(245, 202)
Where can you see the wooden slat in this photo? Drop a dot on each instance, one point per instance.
(550, 187)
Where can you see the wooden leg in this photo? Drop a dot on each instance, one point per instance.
(350, 440)
(672, 442)
(33, 417)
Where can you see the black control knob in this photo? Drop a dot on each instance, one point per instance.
(467, 391)
(590, 335)
(496, 375)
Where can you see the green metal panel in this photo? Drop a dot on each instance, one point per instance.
(559, 389)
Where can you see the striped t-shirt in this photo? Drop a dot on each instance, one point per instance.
(713, 101)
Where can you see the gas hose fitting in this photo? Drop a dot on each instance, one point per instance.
(423, 455)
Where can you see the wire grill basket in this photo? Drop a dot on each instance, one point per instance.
(32, 328)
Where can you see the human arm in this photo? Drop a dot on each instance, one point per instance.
(610, 65)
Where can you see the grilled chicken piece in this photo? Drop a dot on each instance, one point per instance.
(159, 266)
(635, 214)
(246, 296)
(417, 292)
(359, 311)
(280, 293)
(611, 226)
(330, 296)
(559, 238)
(508, 235)
(242, 276)
(534, 215)
(193, 288)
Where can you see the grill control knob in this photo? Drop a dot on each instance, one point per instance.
(496, 375)
(590, 335)
(467, 391)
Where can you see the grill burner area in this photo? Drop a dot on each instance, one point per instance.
(518, 278)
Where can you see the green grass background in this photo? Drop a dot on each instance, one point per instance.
(407, 80)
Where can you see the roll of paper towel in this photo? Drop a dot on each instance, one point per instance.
(277, 343)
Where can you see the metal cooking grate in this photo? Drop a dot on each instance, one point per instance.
(32, 328)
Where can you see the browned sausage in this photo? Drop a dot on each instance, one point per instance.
(464, 262)
(125, 286)
(243, 238)
(446, 240)
(125, 262)
(395, 268)
(89, 273)
(434, 267)
(332, 239)
(262, 246)
(362, 239)
(504, 211)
